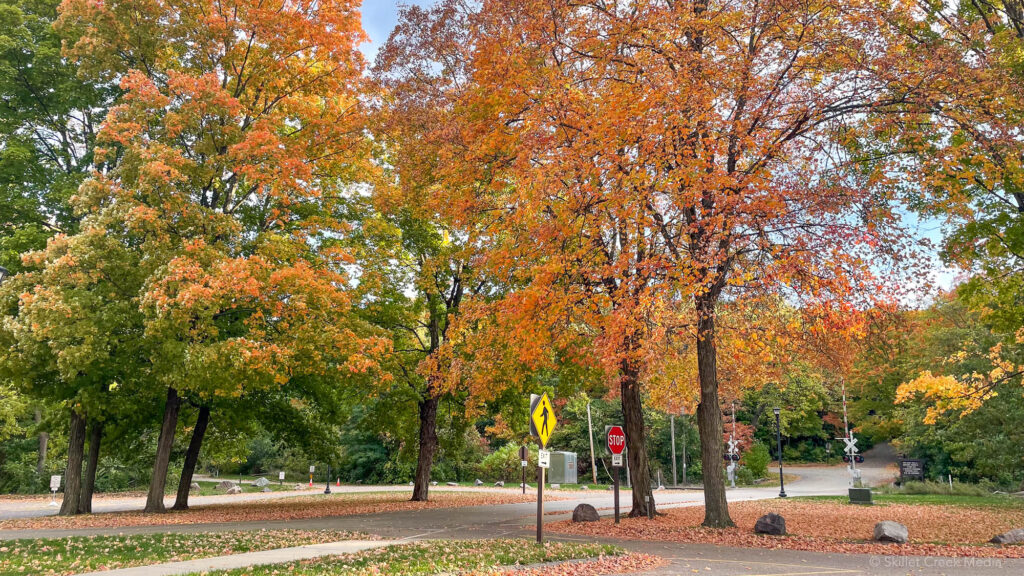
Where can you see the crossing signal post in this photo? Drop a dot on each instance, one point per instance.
(542, 424)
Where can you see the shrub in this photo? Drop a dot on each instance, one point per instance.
(504, 464)
(756, 459)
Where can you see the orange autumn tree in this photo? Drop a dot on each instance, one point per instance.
(237, 142)
(417, 253)
(660, 155)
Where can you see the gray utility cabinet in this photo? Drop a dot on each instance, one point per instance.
(563, 468)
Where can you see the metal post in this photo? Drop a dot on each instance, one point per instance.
(593, 459)
(685, 479)
(778, 438)
(672, 425)
(540, 505)
(616, 494)
(327, 481)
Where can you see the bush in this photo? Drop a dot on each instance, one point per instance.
(929, 487)
(504, 464)
(744, 476)
(756, 460)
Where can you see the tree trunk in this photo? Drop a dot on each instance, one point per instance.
(191, 458)
(44, 441)
(155, 499)
(89, 480)
(428, 446)
(636, 441)
(709, 420)
(73, 474)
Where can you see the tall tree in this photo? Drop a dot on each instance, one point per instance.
(237, 156)
(668, 155)
(416, 243)
(49, 117)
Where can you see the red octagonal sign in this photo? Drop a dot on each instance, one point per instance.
(616, 440)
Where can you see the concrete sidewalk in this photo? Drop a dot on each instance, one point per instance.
(248, 559)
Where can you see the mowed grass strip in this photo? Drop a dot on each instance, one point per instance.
(435, 557)
(58, 556)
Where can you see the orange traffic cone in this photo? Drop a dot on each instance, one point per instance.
(339, 481)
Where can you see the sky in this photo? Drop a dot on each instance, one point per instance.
(379, 19)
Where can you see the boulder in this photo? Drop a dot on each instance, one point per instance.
(584, 487)
(500, 483)
(452, 483)
(1011, 537)
(300, 487)
(478, 482)
(226, 485)
(412, 483)
(434, 483)
(524, 485)
(261, 482)
(585, 513)
(556, 486)
(194, 487)
(889, 531)
(771, 524)
(234, 490)
(266, 489)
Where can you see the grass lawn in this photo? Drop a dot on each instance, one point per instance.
(437, 557)
(991, 501)
(51, 557)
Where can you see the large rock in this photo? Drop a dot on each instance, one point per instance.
(261, 482)
(226, 485)
(194, 487)
(585, 513)
(500, 483)
(234, 490)
(451, 483)
(1011, 537)
(889, 531)
(266, 489)
(478, 482)
(771, 524)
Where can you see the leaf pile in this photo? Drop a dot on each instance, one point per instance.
(59, 556)
(297, 508)
(828, 527)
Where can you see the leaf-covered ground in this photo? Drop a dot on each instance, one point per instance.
(470, 557)
(827, 526)
(299, 507)
(57, 556)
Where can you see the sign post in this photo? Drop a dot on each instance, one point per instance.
(311, 470)
(54, 487)
(615, 439)
(523, 462)
(542, 424)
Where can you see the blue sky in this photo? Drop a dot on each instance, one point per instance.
(379, 19)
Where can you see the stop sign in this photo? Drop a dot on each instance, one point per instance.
(616, 440)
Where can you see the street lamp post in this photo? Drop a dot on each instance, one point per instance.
(778, 438)
(327, 483)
